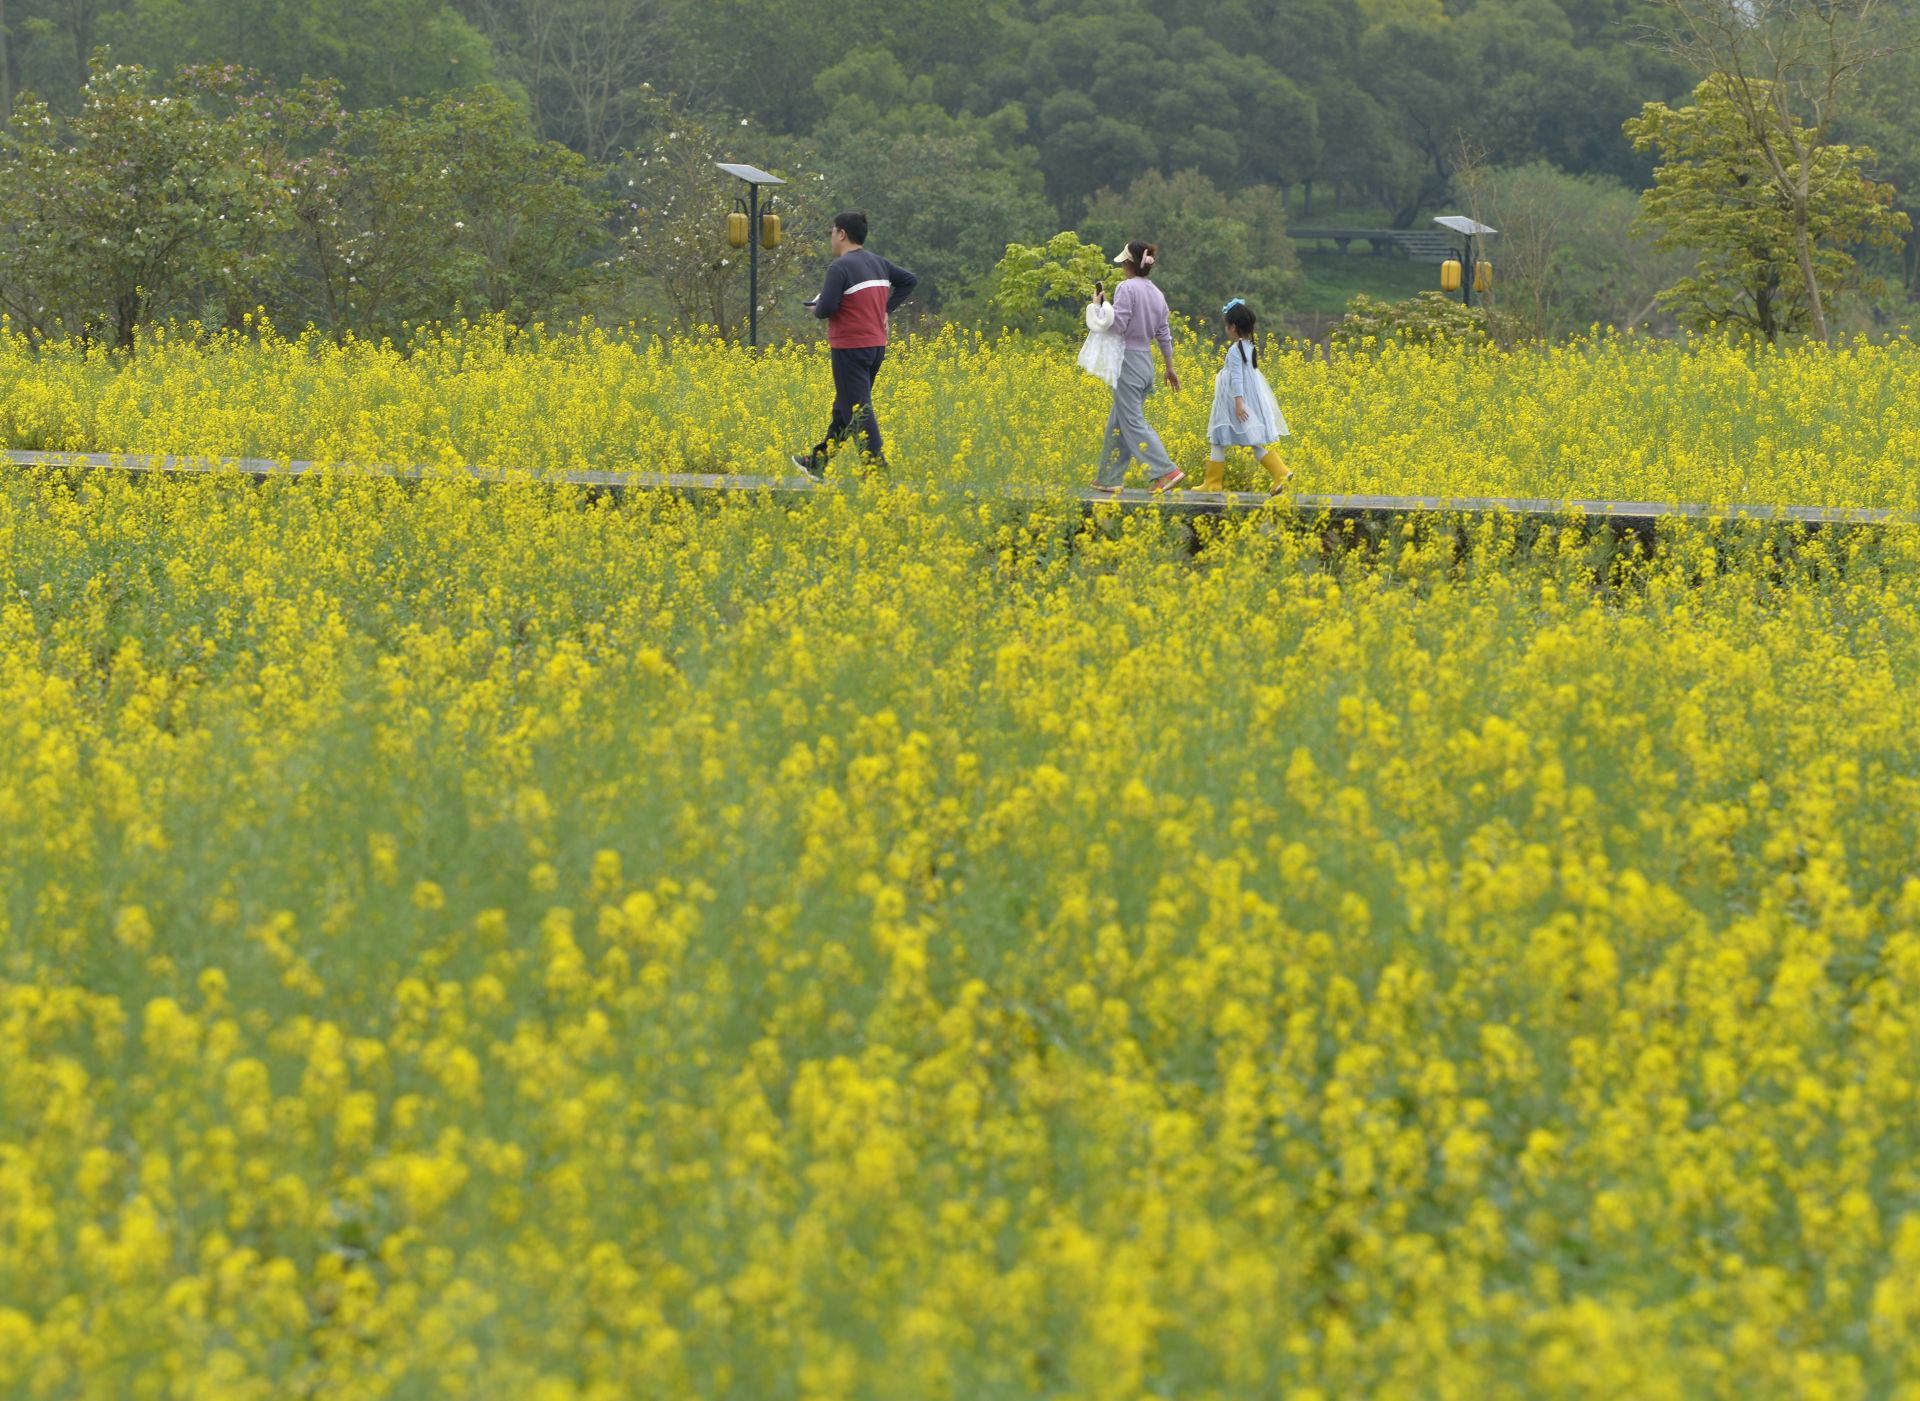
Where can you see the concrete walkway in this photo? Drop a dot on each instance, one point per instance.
(1638, 516)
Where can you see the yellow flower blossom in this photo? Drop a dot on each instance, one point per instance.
(494, 940)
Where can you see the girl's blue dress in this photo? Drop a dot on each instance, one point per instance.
(1242, 378)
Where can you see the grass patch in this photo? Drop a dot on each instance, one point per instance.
(1332, 279)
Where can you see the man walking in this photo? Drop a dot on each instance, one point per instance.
(861, 289)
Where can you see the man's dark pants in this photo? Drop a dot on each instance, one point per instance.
(853, 372)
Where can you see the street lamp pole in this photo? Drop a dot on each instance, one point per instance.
(754, 178)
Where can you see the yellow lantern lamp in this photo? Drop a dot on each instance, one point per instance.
(1454, 273)
(740, 234)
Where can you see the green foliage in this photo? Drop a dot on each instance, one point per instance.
(766, 55)
(1432, 318)
(939, 205)
(1568, 256)
(583, 64)
(1714, 193)
(223, 194)
(1549, 82)
(432, 209)
(1116, 92)
(1212, 245)
(1887, 119)
(51, 47)
(378, 51)
(1420, 78)
(1043, 288)
(942, 192)
(959, 125)
(138, 206)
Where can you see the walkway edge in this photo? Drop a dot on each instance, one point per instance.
(1634, 515)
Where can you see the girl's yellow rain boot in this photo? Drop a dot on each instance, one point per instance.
(1216, 478)
(1277, 468)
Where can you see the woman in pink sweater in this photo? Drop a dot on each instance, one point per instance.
(1138, 315)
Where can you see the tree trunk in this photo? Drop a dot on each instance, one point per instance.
(126, 319)
(1797, 188)
(1803, 253)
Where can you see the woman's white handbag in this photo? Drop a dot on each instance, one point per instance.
(1104, 349)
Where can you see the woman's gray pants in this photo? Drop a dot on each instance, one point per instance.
(1129, 435)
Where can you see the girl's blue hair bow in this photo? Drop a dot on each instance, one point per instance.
(1237, 301)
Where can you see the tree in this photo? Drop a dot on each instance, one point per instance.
(528, 208)
(1041, 288)
(1085, 151)
(1315, 44)
(1115, 94)
(6, 66)
(1784, 69)
(1544, 96)
(77, 22)
(1888, 120)
(47, 47)
(423, 211)
(1361, 155)
(378, 51)
(1212, 245)
(765, 55)
(1568, 254)
(945, 194)
(1768, 258)
(584, 64)
(287, 133)
(1418, 75)
(135, 209)
(674, 240)
(1415, 14)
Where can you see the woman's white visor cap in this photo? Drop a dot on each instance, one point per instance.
(1122, 257)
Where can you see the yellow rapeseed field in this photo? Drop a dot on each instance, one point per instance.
(1618, 418)
(491, 941)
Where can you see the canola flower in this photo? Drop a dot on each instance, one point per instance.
(491, 941)
(1612, 417)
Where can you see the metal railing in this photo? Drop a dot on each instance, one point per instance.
(1420, 245)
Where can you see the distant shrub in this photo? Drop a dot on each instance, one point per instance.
(1431, 318)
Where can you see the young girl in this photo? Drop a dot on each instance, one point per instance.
(1245, 413)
